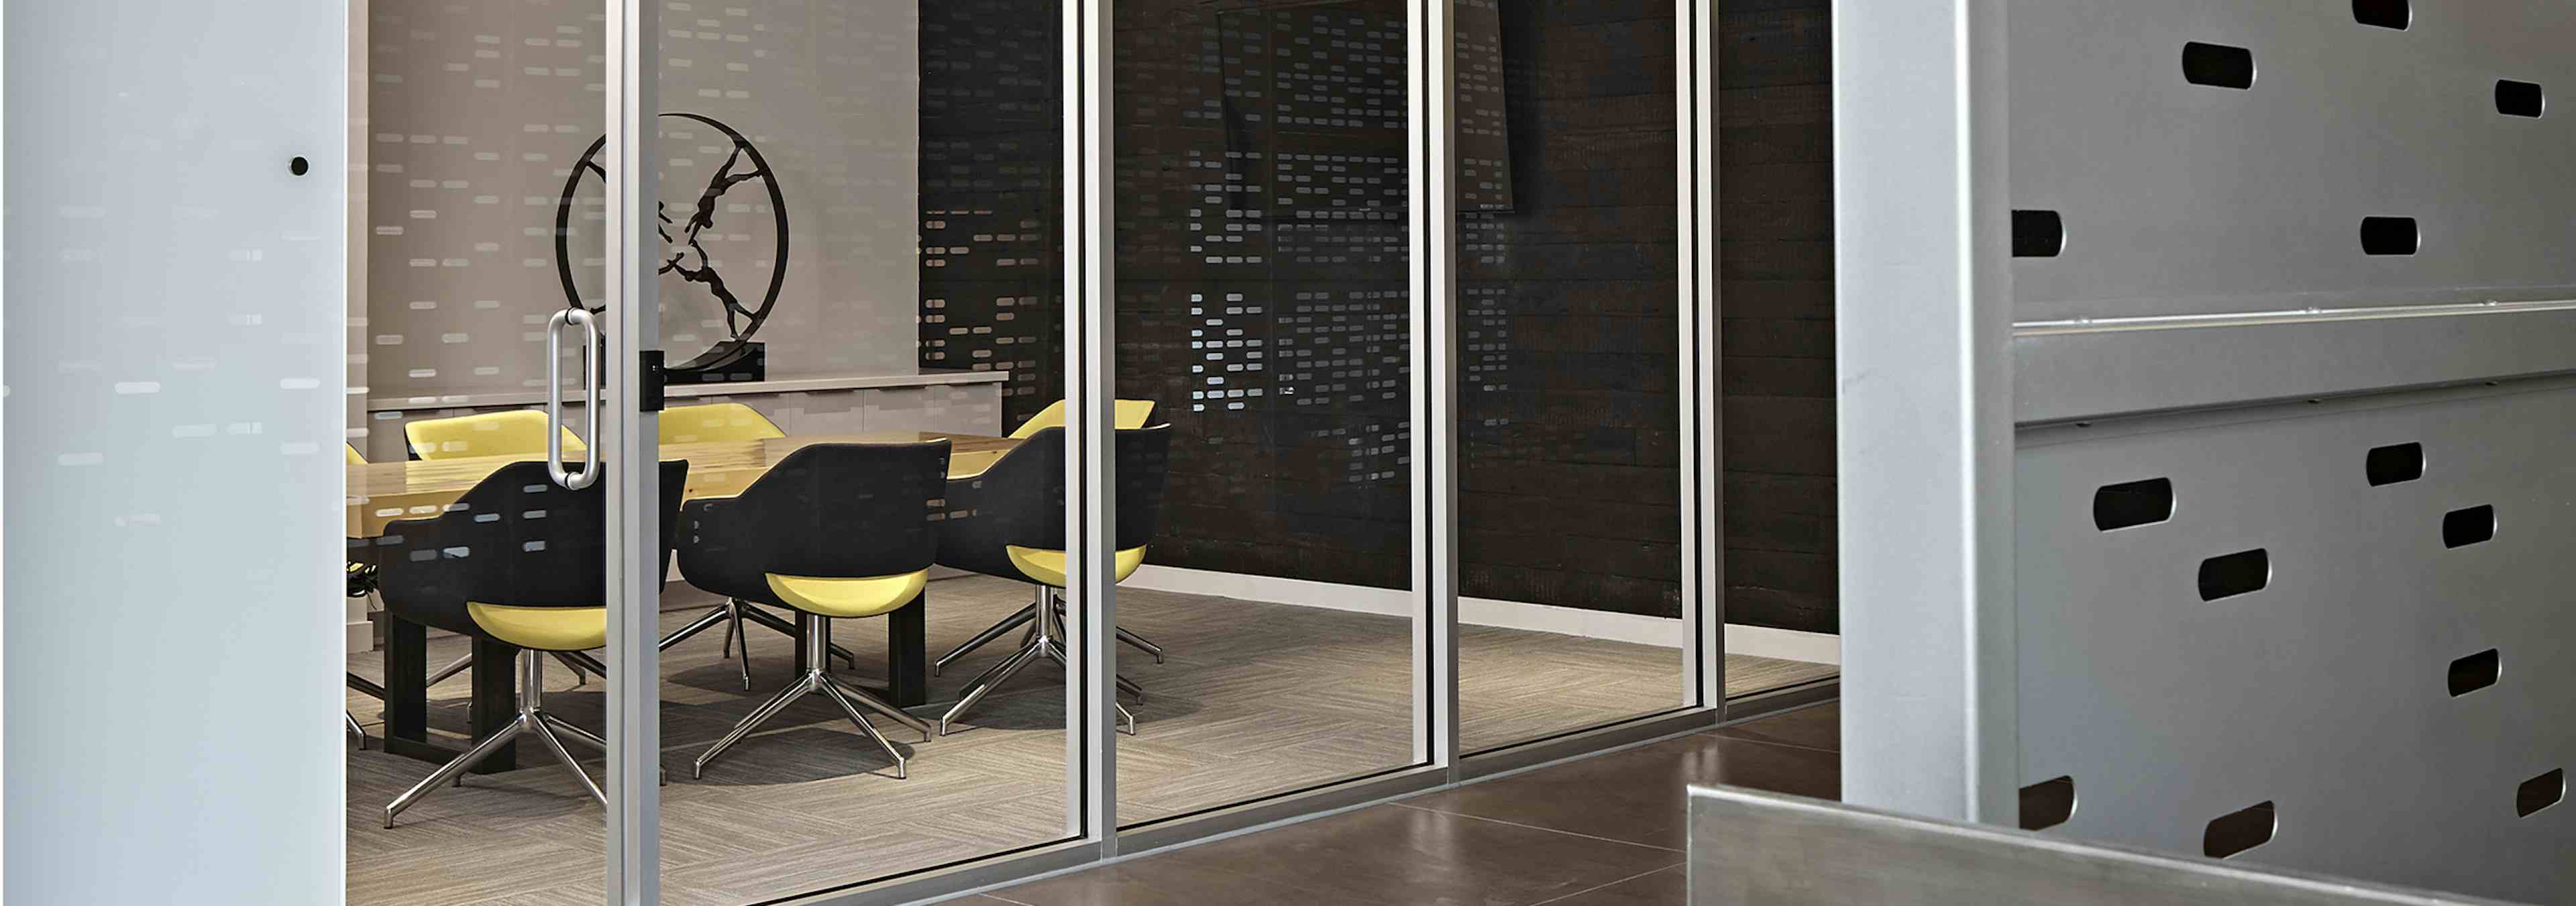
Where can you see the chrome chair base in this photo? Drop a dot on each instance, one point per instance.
(815, 633)
(1044, 640)
(368, 686)
(1025, 614)
(532, 720)
(731, 613)
(453, 668)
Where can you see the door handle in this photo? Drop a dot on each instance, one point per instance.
(591, 378)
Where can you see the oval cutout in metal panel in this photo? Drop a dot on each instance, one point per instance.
(2217, 65)
(2393, 464)
(2240, 830)
(2134, 503)
(2524, 99)
(2475, 672)
(2540, 792)
(2391, 14)
(2390, 236)
(2048, 803)
(2243, 572)
(2038, 234)
(2475, 525)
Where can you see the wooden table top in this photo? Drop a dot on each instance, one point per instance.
(381, 492)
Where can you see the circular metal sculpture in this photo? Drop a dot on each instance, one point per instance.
(682, 255)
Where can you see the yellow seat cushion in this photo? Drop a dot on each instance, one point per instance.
(714, 423)
(1046, 567)
(543, 628)
(863, 597)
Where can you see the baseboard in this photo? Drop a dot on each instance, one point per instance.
(1785, 644)
(1622, 627)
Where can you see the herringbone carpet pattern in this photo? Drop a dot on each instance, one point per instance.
(1255, 699)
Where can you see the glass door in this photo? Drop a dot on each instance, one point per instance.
(1263, 258)
(1571, 371)
(484, 682)
(853, 254)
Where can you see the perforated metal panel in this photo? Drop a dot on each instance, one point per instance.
(2325, 692)
(2186, 198)
(2253, 289)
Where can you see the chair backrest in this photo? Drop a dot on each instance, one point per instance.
(1023, 493)
(519, 432)
(715, 422)
(1144, 463)
(833, 511)
(1129, 414)
(515, 538)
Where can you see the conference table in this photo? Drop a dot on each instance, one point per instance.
(384, 492)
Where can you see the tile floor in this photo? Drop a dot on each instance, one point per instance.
(1600, 831)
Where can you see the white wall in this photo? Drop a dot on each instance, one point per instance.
(173, 367)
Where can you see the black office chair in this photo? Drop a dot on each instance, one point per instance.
(1009, 522)
(522, 561)
(833, 530)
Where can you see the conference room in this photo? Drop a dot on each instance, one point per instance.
(966, 440)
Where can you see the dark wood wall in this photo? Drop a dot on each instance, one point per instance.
(1776, 261)
(1572, 502)
(1569, 406)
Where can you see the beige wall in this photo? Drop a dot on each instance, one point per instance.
(480, 110)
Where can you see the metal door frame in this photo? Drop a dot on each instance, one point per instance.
(633, 458)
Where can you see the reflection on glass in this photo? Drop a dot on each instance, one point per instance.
(1262, 298)
(1569, 382)
(462, 548)
(1775, 225)
(859, 205)
(870, 518)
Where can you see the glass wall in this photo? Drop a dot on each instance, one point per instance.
(1263, 313)
(1570, 368)
(472, 118)
(863, 302)
(1774, 256)
(861, 211)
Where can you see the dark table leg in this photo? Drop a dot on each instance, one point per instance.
(799, 636)
(496, 700)
(407, 689)
(907, 653)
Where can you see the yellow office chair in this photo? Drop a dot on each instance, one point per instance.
(714, 423)
(1130, 414)
(496, 434)
(518, 433)
(833, 530)
(517, 561)
(1013, 527)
